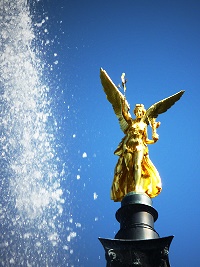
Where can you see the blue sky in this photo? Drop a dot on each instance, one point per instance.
(156, 43)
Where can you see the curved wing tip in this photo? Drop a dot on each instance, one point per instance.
(181, 92)
(102, 71)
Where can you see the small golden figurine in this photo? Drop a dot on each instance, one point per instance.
(134, 171)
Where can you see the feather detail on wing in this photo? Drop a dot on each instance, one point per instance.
(161, 106)
(115, 97)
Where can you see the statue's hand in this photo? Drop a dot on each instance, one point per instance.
(155, 124)
(158, 124)
(155, 137)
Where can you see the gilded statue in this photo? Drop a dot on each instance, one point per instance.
(134, 171)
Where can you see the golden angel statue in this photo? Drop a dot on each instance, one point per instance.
(134, 170)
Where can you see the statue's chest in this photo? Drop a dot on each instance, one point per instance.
(138, 127)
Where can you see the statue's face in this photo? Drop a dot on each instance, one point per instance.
(139, 111)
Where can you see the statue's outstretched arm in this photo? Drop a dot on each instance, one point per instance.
(154, 139)
(124, 111)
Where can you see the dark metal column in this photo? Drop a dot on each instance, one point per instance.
(137, 243)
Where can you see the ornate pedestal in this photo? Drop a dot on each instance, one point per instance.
(137, 243)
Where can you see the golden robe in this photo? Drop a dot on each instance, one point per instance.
(123, 181)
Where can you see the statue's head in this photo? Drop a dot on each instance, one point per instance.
(139, 110)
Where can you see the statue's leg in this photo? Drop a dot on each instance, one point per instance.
(138, 156)
(128, 158)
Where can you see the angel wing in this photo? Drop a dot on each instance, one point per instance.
(115, 97)
(161, 106)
